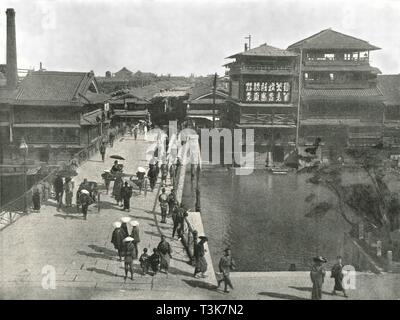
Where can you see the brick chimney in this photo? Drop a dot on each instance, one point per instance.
(11, 72)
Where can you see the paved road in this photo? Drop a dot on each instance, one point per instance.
(87, 267)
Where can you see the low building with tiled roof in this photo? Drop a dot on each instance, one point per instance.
(57, 114)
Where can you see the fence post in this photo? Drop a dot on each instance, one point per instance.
(389, 260)
(361, 230)
(379, 248)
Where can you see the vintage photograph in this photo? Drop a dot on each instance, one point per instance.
(199, 150)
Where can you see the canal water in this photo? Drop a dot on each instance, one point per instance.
(261, 217)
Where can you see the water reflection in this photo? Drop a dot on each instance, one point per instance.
(261, 217)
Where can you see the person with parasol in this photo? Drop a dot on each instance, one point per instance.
(317, 275)
(200, 260)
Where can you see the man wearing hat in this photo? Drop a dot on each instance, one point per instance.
(117, 238)
(171, 201)
(337, 274)
(165, 252)
(317, 275)
(163, 199)
(226, 264)
(129, 253)
(135, 234)
(200, 260)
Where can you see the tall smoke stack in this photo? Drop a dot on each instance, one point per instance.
(11, 72)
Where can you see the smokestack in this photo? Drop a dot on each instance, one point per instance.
(245, 47)
(11, 72)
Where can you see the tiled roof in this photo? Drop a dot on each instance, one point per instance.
(47, 87)
(337, 93)
(97, 97)
(129, 97)
(130, 113)
(330, 39)
(265, 51)
(201, 90)
(389, 84)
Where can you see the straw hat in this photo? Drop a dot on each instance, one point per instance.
(117, 224)
(128, 239)
(319, 259)
(141, 169)
(125, 219)
(134, 223)
(85, 191)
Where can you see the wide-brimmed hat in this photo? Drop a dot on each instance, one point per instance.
(125, 219)
(141, 169)
(108, 171)
(203, 238)
(134, 223)
(85, 191)
(319, 259)
(128, 239)
(117, 224)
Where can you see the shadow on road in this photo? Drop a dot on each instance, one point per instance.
(94, 255)
(106, 251)
(69, 216)
(281, 296)
(103, 272)
(308, 289)
(201, 285)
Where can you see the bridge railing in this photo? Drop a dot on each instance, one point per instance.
(12, 211)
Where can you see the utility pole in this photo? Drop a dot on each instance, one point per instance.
(299, 98)
(214, 93)
(249, 38)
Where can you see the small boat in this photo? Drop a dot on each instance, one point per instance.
(278, 170)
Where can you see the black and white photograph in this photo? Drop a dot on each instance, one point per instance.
(199, 150)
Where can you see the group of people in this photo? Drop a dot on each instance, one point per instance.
(127, 246)
(318, 273)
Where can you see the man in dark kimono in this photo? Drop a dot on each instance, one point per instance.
(317, 275)
(226, 264)
(59, 190)
(85, 200)
(165, 252)
(154, 261)
(129, 253)
(126, 193)
(337, 274)
(171, 201)
(199, 257)
(152, 174)
(175, 218)
(117, 238)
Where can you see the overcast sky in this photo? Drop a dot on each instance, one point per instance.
(183, 37)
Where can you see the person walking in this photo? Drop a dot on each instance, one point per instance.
(129, 253)
(175, 219)
(226, 264)
(69, 191)
(152, 174)
(103, 150)
(118, 184)
(85, 200)
(171, 201)
(337, 274)
(154, 261)
(36, 199)
(163, 199)
(126, 194)
(172, 172)
(106, 175)
(164, 173)
(111, 137)
(59, 190)
(144, 261)
(135, 234)
(117, 238)
(165, 251)
(199, 257)
(182, 214)
(135, 131)
(317, 275)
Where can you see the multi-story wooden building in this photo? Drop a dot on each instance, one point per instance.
(389, 84)
(57, 114)
(263, 95)
(340, 101)
(128, 108)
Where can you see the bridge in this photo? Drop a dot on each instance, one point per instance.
(87, 266)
